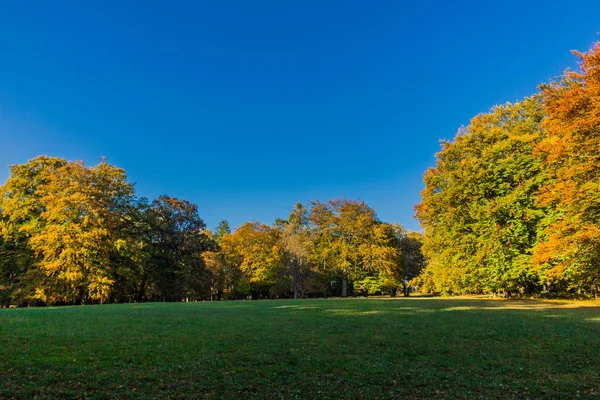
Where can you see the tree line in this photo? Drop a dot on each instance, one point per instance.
(513, 203)
(512, 206)
(72, 234)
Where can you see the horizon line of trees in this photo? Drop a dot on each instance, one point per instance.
(513, 203)
(71, 234)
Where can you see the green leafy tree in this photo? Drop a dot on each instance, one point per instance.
(411, 245)
(176, 242)
(298, 248)
(350, 240)
(480, 210)
(222, 229)
(403, 265)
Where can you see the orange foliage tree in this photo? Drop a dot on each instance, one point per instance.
(571, 152)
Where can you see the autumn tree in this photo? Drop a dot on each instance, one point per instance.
(571, 152)
(70, 216)
(223, 276)
(21, 208)
(350, 240)
(479, 208)
(85, 208)
(254, 249)
(404, 263)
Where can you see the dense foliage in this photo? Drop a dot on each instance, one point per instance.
(513, 203)
(71, 234)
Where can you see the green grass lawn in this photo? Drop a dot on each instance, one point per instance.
(305, 349)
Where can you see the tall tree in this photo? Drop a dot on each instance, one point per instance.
(177, 240)
(349, 240)
(21, 209)
(254, 249)
(70, 217)
(222, 229)
(297, 247)
(571, 152)
(479, 206)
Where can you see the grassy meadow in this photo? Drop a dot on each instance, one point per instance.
(305, 349)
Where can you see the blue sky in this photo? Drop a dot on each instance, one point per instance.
(245, 107)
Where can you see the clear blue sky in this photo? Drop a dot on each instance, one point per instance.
(245, 107)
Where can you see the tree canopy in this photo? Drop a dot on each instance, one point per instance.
(512, 204)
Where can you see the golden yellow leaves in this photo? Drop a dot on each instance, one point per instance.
(69, 215)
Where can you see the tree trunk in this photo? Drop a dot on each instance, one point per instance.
(344, 285)
(142, 290)
(295, 278)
